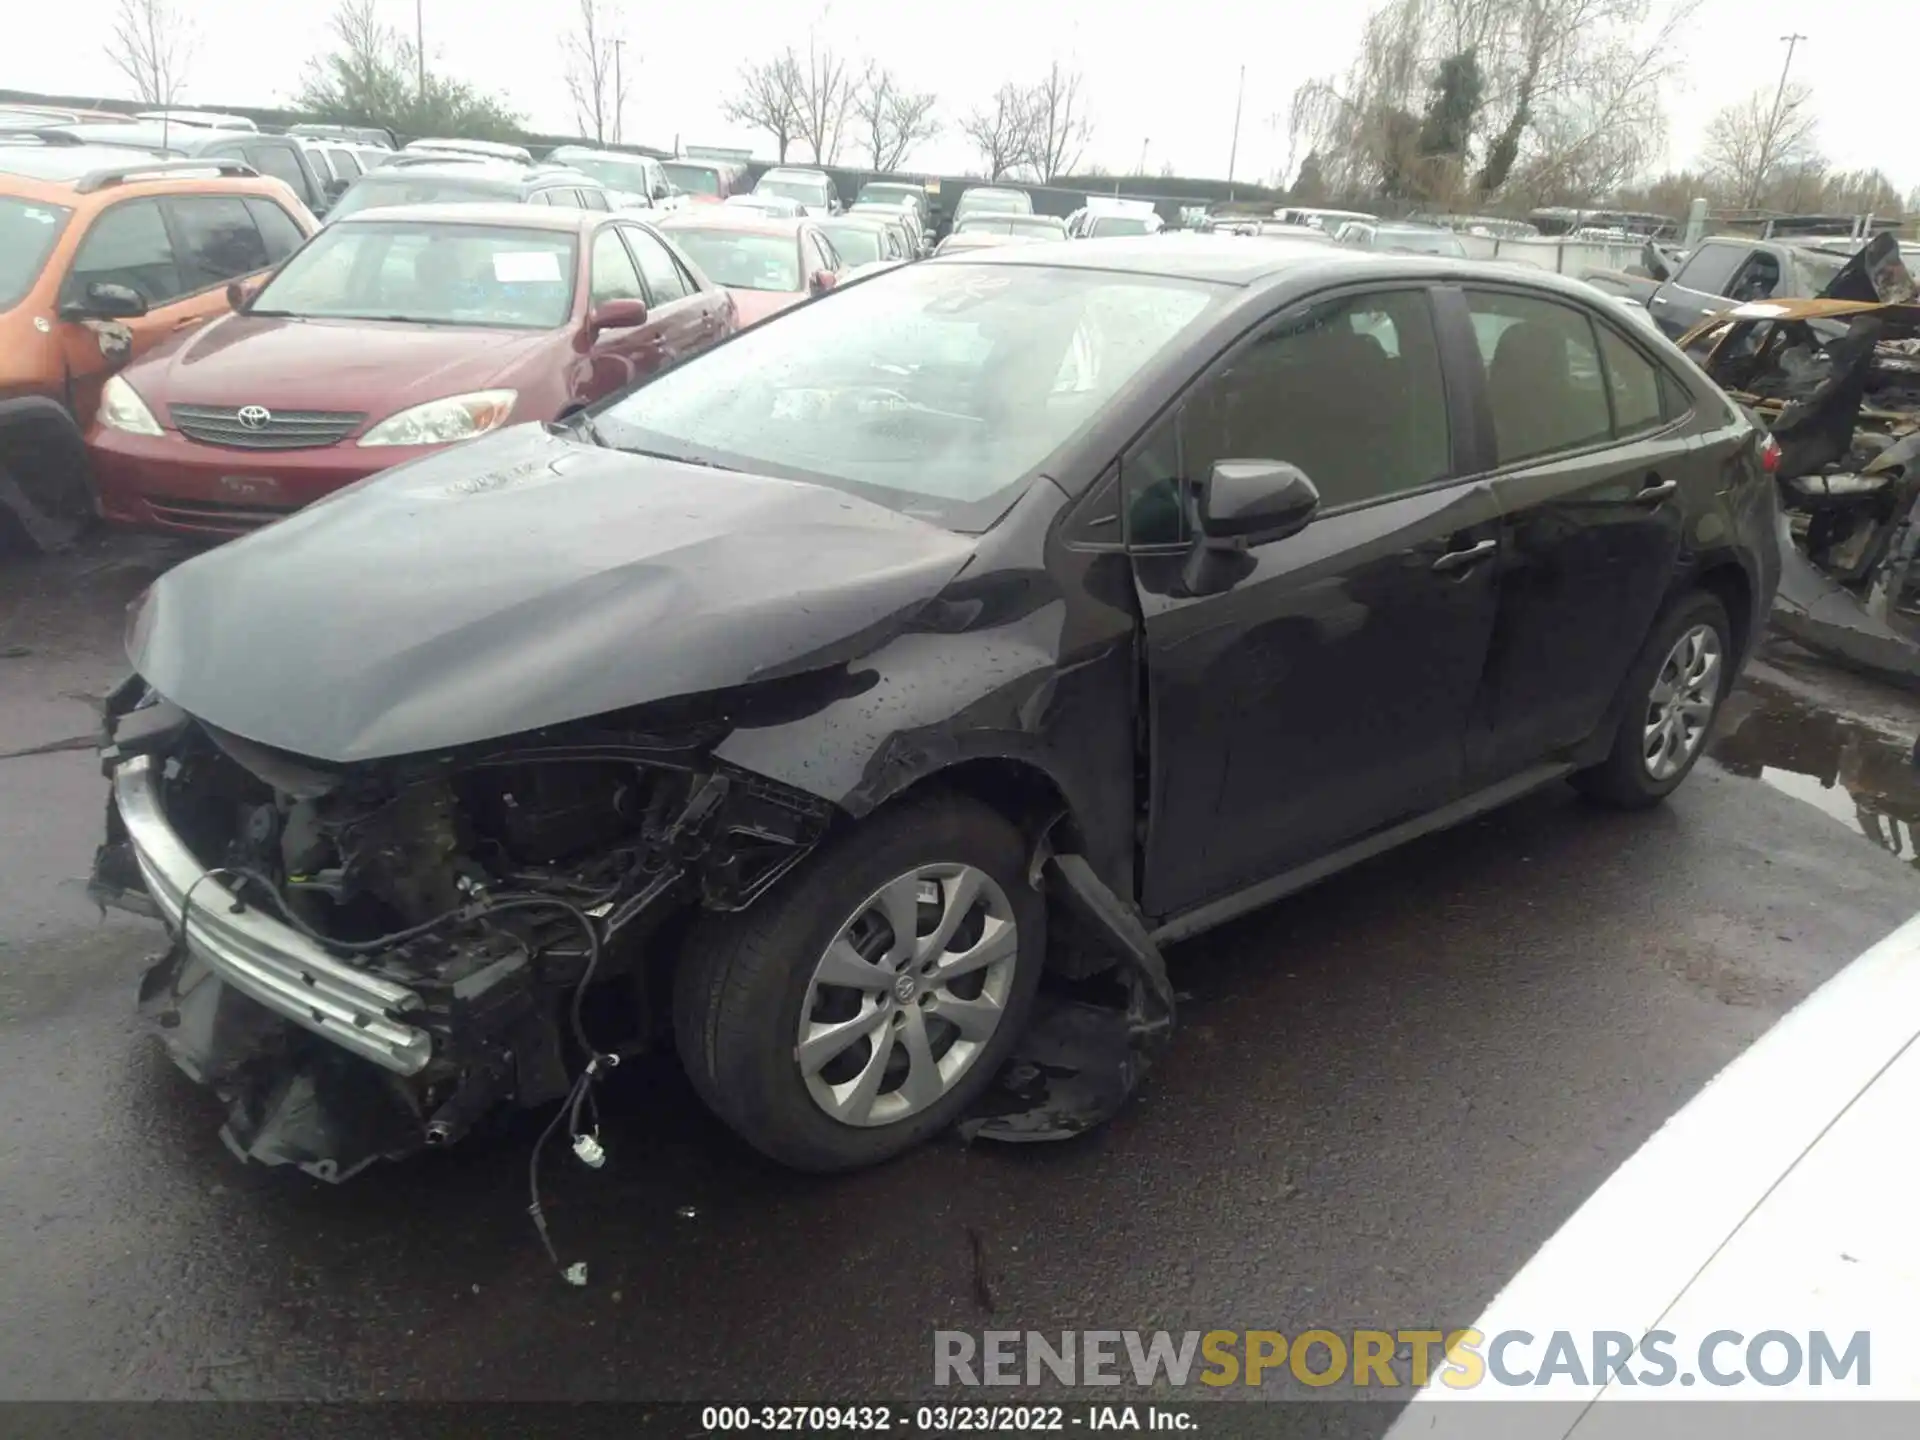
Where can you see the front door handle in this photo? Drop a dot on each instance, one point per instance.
(1462, 559)
(1659, 300)
(190, 322)
(1654, 491)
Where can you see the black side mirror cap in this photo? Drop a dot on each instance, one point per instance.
(1243, 503)
(104, 300)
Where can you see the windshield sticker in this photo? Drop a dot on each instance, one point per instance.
(526, 267)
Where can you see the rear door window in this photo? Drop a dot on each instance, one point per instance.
(281, 163)
(216, 239)
(1710, 269)
(1633, 383)
(1544, 382)
(665, 282)
(592, 199)
(277, 231)
(128, 245)
(613, 276)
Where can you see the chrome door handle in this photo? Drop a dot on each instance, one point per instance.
(1655, 491)
(1659, 300)
(1461, 559)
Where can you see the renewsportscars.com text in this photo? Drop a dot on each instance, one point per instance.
(1389, 1359)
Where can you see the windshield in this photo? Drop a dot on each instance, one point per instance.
(807, 192)
(27, 232)
(627, 175)
(1106, 225)
(694, 179)
(399, 188)
(856, 243)
(1041, 226)
(743, 259)
(1002, 202)
(1420, 242)
(890, 194)
(429, 273)
(937, 393)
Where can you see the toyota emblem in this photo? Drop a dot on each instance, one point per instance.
(254, 417)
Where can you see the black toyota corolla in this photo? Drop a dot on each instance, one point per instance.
(858, 707)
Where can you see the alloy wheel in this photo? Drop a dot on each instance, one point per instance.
(907, 995)
(1682, 702)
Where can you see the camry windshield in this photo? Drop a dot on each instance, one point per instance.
(807, 192)
(936, 392)
(28, 229)
(856, 243)
(694, 179)
(430, 273)
(743, 259)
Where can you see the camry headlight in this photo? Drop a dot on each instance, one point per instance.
(440, 422)
(121, 408)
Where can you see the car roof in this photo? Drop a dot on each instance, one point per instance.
(796, 172)
(1230, 260)
(587, 152)
(510, 173)
(519, 217)
(66, 163)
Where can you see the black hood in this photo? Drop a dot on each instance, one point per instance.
(519, 581)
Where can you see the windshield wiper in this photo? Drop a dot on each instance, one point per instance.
(677, 459)
(583, 426)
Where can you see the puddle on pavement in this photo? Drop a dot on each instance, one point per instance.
(1859, 773)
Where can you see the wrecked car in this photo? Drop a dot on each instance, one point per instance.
(860, 706)
(1837, 383)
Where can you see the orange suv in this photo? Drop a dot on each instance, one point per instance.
(105, 252)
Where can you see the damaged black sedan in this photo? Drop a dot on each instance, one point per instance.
(857, 707)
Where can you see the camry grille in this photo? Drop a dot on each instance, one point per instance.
(244, 428)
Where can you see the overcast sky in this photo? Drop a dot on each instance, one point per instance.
(1160, 76)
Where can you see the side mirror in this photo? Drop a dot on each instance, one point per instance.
(823, 281)
(240, 292)
(661, 190)
(617, 315)
(335, 189)
(103, 300)
(1244, 503)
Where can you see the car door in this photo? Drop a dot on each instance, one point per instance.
(130, 244)
(1326, 691)
(687, 319)
(623, 354)
(1700, 288)
(1588, 470)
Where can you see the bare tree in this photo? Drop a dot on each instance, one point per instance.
(152, 45)
(1753, 142)
(768, 99)
(822, 99)
(1002, 130)
(1057, 127)
(893, 119)
(1566, 100)
(595, 76)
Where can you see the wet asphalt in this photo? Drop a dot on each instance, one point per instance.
(1385, 1093)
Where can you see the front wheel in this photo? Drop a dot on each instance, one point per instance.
(860, 1007)
(1673, 691)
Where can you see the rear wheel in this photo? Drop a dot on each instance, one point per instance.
(860, 1007)
(1672, 694)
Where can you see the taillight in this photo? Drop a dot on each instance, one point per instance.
(1769, 454)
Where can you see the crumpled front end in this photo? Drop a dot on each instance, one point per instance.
(369, 959)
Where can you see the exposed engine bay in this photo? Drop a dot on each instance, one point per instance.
(513, 891)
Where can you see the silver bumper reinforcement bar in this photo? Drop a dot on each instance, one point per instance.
(257, 954)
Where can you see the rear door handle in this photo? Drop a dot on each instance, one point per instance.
(1462, 559)
(1654, 491)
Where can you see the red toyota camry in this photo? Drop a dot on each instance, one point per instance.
(391, 334)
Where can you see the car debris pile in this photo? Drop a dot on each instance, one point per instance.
(1836, 381)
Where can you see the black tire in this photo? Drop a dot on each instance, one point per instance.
(1623, 780)
(743, 979)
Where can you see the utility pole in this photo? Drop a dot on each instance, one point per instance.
(420, 50)
(619, 94)
(1141, 168)
(1773, 123)
(1233, 155)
